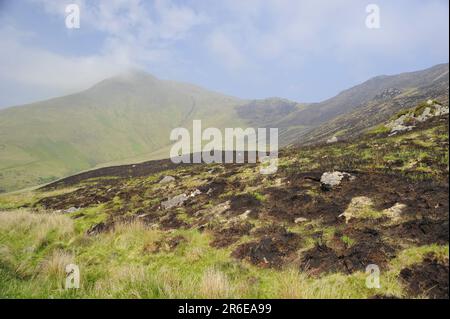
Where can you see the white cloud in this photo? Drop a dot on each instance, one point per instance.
(281, 30)
(134, 35)
(34, 66)
(225, 50)
(262, 39)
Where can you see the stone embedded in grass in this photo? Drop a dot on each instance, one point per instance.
(361, 207)
(421, 113)
(174, 201)
(216, 210)
(167, 179)
(334, 139)
(195, 193)
(300, 220)
(72, 209)
(395, 211)
(329, 180)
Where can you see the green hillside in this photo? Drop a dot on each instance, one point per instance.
(119, 118)
(128, 119)
(239, 234)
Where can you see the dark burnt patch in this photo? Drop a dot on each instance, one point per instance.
(229, 235)
(429, 278)
(421, 231)
(368, 248)
(242, 202)
(100, 228)
(215, 188)
(271, 250)
(83, 197)
(172, 221)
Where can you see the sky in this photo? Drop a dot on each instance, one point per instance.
(306, 51)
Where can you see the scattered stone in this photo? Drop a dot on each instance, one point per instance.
(300, 220)
(195, 193)
(440, 110)
(405, 122)
(244, 216)
(400, 128)
(215, 211)
(329, 180)
(357, 206)
(425, 115)
(174, 201)
(388, 93)
(395, 211)
(167, 179)
(334, 139)
(71, 210)
(362, 207)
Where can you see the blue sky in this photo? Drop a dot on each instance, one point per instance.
(302, 50)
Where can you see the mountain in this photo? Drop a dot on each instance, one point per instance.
(128, 118)
(377, 199)
(118, 118)
(368, 104)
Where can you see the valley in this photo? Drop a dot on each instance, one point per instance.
(160, 230)
(128, 119)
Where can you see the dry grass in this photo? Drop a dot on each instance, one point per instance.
(290, 285)
(55, 265)
(39, 224)
(122, 281)
(214, 284)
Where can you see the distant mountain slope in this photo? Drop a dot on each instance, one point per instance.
(367, 104)
(128, 118)
(118, 118)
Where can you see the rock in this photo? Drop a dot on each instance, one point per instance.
(195, 193)
(71, 210)
(330, 180)
(362, 207)
(300, 220)
(334, 139)
(400, 124)
(244, 216)
(426, 114)
(395, 211)
(400, 128)
(174, 201)
(167, 179)
(98, 228)
(440, 110)
(357, 206)
(388, 93)
(216, 210)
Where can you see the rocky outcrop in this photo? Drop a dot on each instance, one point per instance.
(425, 111)
(329, 180)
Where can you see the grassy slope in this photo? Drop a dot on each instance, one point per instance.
(126, 263)
(128, 119)
(118, 119)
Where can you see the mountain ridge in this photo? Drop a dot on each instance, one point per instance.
(130, 116)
